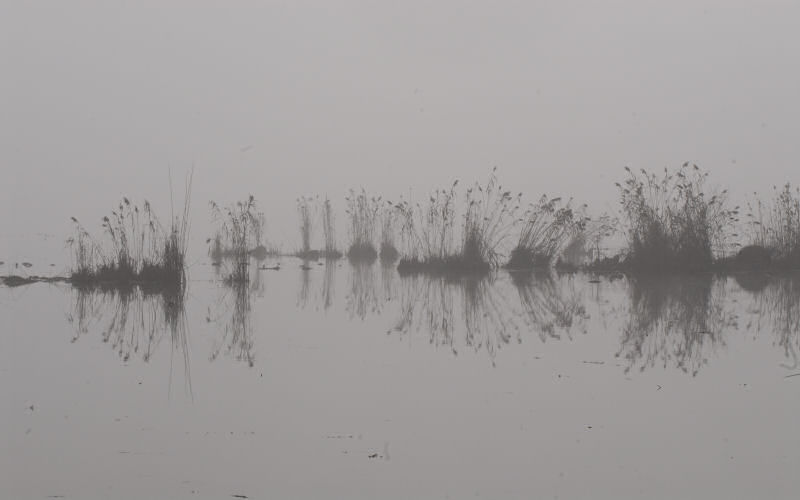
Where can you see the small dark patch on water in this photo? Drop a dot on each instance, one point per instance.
(13, 280)
(453, 266)
(753, 281)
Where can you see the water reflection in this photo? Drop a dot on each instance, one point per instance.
(666, 322)
(674, 320)
(442, 307)
(305, 285)
(234, 315)
(328, 284)
(388, 280)
(134, 321)
(362, 293)
(777, 308)
(552, 306)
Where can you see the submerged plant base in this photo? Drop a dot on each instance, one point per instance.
(523, 258)
(13, 280)
(389, 254)
(308, 254)
(123, 275)
(318, 254)
(332, 254)
(362, 253)
(452, 266)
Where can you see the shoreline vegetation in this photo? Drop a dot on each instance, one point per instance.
(673, 221)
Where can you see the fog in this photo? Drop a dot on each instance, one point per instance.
(282, 99)
(494, 359)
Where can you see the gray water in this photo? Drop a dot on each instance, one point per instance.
(354, 382)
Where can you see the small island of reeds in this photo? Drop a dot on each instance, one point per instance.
(135, 249)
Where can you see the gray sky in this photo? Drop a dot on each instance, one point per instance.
(281, 99)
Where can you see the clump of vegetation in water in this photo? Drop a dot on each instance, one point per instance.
(389, 221)
(362, 211)
(305, 211)
(775, 226)
(548, 227)
(491, 212)
(584, 249)
(329, 230)
(135, 249)
(239, 229)
(429, 233)
(672, 222)
(218, 252)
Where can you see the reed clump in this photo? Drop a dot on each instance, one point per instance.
(362, 210)
(672, 222)
(331, 249)
(429, 232)
(775, 227)
(239, 230)
(135, 249)
(584, 250)
(389, 222)
(549, 226)
(308, 209)
(305, 211)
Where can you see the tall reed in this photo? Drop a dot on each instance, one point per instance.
(305, 210)
(491, 213)
(238, 228)
(548, 227)
(135, 249)
(430, 237)
(673, 223)
(362, 211)
(329, 230)
(389, 220)
(775, 226)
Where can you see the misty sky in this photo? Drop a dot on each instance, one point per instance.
(281, 99)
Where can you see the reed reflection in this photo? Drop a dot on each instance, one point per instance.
(134, 321)
(468, 312)
(674, 320)
(305, 284)
(328, 291)
(551, 306)
(362, 294)
(234, 313)
(777, 307)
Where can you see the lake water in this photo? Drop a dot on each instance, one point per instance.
(354, 382)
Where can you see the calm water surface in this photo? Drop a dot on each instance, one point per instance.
(353, 382)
